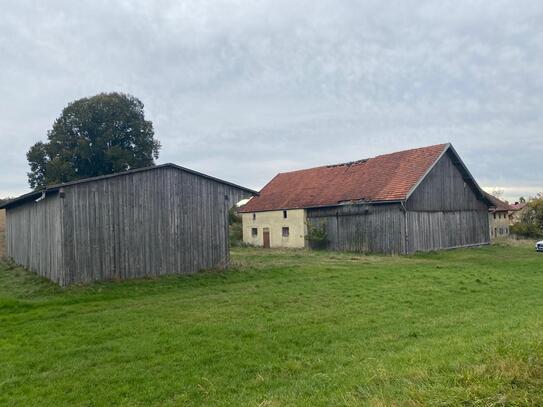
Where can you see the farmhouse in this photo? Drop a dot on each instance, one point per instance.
(498, 217)
(415, 200)
(140, 223)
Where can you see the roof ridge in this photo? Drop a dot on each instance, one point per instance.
(364, 160)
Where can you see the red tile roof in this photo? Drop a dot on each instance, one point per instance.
(517, 206)
(388, 177)
(499, 205)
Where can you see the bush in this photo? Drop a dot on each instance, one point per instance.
(235, 234)
(235, 228)
(531, 224)
(317, 236)
(530, 230)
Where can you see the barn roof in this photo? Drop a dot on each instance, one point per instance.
(385, 178)
(52, 188)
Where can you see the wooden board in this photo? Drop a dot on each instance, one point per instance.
(34, 237)
(2, 232)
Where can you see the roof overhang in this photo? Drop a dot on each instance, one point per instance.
(339, 204)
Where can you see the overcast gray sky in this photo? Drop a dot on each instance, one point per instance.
(245, 89)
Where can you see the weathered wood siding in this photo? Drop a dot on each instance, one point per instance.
(2, 232)
(34, 237)
(141, 224)
(362, 228)
(446, 229)
(444, 211)
(146, 224)
(444, 189)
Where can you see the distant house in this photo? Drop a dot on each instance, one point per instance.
(141, 223)
(516, 212)
(498, 217)
(420, 199)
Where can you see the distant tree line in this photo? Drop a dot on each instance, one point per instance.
(531, 223)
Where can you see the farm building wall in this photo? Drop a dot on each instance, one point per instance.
(34, 237)
(362, 228)
(141, 224)
(274, 222)
(2, 232)
(146, 224)
(445, 211)
(446, 229)
(498, 224)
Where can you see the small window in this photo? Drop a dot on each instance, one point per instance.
(254, 232)
(284, 214)
(494, 216)
(286, 232)
(254, 216)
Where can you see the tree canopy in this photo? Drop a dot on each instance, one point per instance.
(531, 224)
(94, 136)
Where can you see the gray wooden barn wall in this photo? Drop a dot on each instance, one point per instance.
(444, 189)
(362, 228)
(446, 229)
(34, 237)
(444, 211)
(142, 224)
(146, 224)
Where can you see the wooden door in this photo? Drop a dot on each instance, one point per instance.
(266, 237)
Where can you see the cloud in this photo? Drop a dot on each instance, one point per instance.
(246, 89)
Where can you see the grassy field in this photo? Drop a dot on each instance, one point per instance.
(284, 328)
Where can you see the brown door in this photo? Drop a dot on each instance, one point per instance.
(266, 236)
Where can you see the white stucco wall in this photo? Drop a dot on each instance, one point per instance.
(275, 221)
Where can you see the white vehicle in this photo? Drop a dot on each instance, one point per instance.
(539, 246)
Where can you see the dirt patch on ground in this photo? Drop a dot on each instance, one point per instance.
(2, 232)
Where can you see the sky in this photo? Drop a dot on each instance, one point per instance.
(242, 90)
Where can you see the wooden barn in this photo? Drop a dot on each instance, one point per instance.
(415, 200)
(141, 223)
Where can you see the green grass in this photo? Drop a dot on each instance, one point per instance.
(284, 328)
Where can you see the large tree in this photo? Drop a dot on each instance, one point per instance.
(93, 136)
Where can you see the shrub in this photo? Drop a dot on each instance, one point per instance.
(530, 230)
(235, 228)
(317, 236)
(531, 224)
